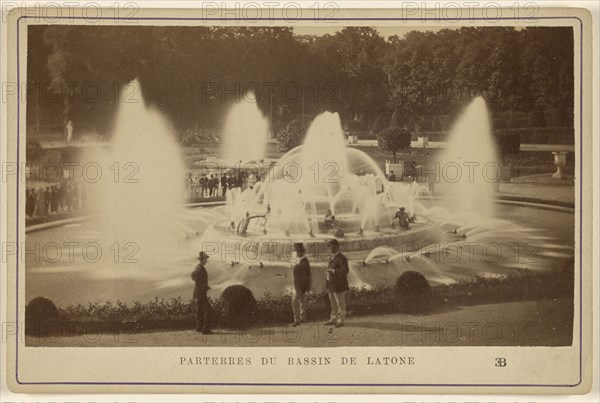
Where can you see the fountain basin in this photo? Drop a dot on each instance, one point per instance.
(224, 243)
(69, 281)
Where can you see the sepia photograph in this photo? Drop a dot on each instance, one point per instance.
(301, 189)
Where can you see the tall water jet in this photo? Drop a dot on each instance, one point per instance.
(246, 131)
(324, 160)
(141, 191)
(469, 165)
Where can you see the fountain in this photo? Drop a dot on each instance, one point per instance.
(250, 238)
(246, 132)
(319, 176)
(468, 165)
(140, 193)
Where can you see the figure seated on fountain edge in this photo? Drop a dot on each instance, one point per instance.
(329, 220)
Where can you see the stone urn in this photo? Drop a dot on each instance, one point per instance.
(560, 160)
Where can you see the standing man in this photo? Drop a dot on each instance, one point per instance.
(224, 184)
(41, 208)
(75, 196)
(301, 284)
(202, 185)
(53, 199)
(49, 199)
(30, 202)
(337, 283)
(213, 186)
(204, 312)
(209, 185)
(190, 185)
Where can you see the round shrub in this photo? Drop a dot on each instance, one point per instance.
(414, 292)
(393, 139)
(239, 307)
(537, 117)
(38, 313)
(290, 135)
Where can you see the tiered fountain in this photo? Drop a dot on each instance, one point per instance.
(290, 204)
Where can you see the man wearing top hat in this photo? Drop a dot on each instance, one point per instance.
(204, 311)
(337, 283)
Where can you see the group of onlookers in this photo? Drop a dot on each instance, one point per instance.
(46, 200)
(336, 283)
(213, 185)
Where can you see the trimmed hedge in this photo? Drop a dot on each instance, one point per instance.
(521, 285)
(528, 135)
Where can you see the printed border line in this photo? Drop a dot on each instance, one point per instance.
(314, 384)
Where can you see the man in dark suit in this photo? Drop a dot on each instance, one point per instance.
(224, 184)
(204, 312)
(337, 283)
(203, 185)
(301, 284)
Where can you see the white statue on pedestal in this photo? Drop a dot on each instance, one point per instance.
(69, 131)
(560, 160)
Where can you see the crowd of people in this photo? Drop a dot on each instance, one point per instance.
(44, 200)
(47, 200)
(213, 185)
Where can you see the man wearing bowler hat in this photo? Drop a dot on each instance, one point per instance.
(337, 283)
(204, 312)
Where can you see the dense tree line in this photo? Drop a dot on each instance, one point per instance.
(194, 74)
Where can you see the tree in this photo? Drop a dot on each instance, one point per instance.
(546, 68)
(33, 152)
(393, 139)
(382, 121)
(352, 58)
(194, 74)
(290, 136)
(70, 155)
(436, 125)
(537, 118)
(507, 142)
(420, 68)
(489, 66)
